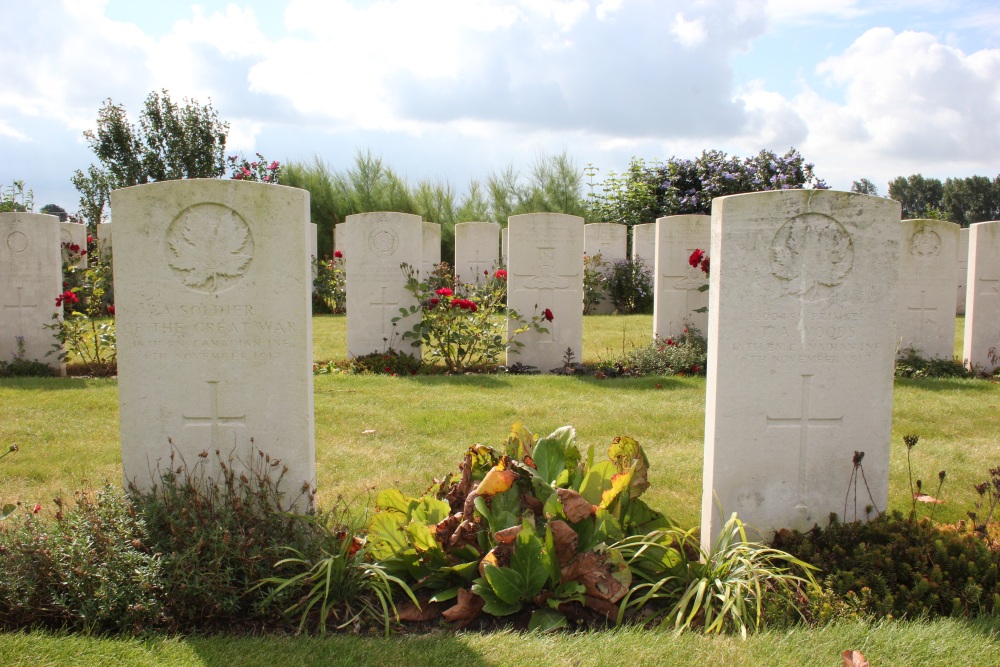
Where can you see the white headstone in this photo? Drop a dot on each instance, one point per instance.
(504, 245)
(30, 281)
(677, 293)
(338, 242)
(928, 261)
(104, 245)
(73, 243)
(312, 236)
(644, 244)
(610, 241)
(477, 247)
(376, 245)
(432, 248)
(546, 274)
(212, 291)
(801, 340)
(963, 268)
(982, 300)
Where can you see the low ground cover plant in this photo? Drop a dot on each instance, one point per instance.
(535, 526)
(686, 354)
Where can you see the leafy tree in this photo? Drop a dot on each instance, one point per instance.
(972, 199)
(58, 211)
(170, 142)
(647, 191)
(15, 198)
(864, 187)
(917, 195)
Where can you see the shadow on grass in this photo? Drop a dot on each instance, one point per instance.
(53, 383)
(650, 383)
(438, 648)
(949, 384)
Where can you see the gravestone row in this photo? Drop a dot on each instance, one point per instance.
(215, 339)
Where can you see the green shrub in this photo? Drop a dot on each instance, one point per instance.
(900, 567)
(630, 286)
(912, 365)
(330, 285)
(90, 569)
(19, 366)
(389, 362)
(218, 538)
(686, 354)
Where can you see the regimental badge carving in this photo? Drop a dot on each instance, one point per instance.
(209, 247)
(383, 241)
(547, 276)
(925, 244)
(65, 236)
(812, 253)
(17, 241)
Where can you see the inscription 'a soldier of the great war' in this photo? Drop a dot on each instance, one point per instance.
(210, 247)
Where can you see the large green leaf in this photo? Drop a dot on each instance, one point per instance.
(386, 535)
(430, 510)
(527, 561)
(392, 500)
(547, 620)
(628, 455)
(421, 536)
(494, 605)
(507, 583)
(550, 459)
(7, 510)
(597, 480)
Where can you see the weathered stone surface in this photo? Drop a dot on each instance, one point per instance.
(676, 284)
(212, 292)
(30, 281)
(610, 241)
(477, 247)
(73, 234)
(546, 272)
(928, 263)
(504, 245)
(801, 339)
(982, 301)
(104, 244)
(644, 244)
(963, 268)
(376, 245)
(432, 248)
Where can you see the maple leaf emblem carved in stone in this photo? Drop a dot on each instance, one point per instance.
(812, 252)
(210, 247)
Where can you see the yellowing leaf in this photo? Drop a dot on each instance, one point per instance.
(496, 481)
(619, 483)
(924, 498)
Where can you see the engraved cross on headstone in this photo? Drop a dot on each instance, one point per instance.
(20, 307)
(215, 419)
(477, 267)
(382, 304)
(804, 422)
(920, 311)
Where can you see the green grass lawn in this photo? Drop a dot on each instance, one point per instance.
(67, 431)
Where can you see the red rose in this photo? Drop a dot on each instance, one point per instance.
(434, 301)
(547, 314)
(111, 310)
(338, 254)
(473, 307)
(443, 291)
(704, 265)
(695, 258)
(36, 509)
(501, 274)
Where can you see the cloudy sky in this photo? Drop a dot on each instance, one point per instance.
(455, 89)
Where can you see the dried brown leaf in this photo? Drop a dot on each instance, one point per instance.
(853, 659)
(566, 541)
(409, 613)
(466, 610)
(577, 507)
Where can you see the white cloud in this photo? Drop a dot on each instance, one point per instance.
(8, 131)
(689, 33)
